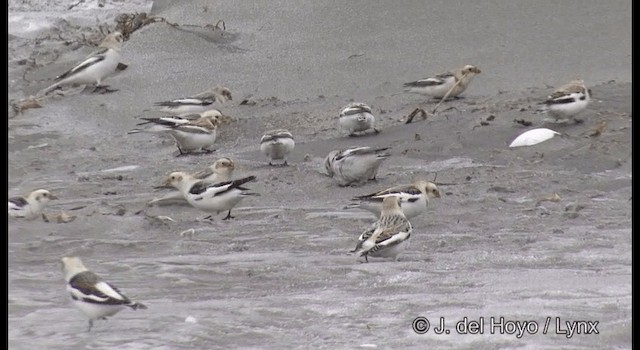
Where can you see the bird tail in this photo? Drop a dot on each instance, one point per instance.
(137, 306)
(49, 89)
(135, 131)
(251, 194)
(380, 152)
(352, 206)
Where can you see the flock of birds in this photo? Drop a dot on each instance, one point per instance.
(193, 124)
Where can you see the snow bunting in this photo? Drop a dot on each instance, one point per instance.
(190, 135)
(356, 117)
(439, 85)
(197, 103)
(414, 198)
(219, 171)
(388, 237)
(276, 145)
(355, 165)
(208, 197)
(97, 66)
(163, 124)
(568, 100)
(31, 206)
(91, 295)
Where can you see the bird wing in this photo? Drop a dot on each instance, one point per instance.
(185, 102)
(560, 97)
(17, 202)
(432, 81)
(82, 66)
(355, 109)
(400, 190)
(191, 129)
(166, 121)
(203, 174)
(88, 287)
(356, 151)
(211, 190)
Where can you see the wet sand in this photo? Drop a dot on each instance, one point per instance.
(279, 276)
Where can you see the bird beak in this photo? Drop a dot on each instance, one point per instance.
(53, 197)
(477, 71)
(225, 119)
(166, 183)
(438, 194)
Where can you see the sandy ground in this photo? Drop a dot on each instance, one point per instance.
(278, 276)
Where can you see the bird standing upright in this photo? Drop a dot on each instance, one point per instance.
(96, 67)
(94, 297)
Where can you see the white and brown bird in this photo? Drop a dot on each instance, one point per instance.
(196, 103)
(388, 237)
(31, 206)
(355, 165)
(220, 171)
(357, 117)
(568, 100)
(96, 67)
(94, 297)
(414, 198)
(210, 198)
(438, 86)
(191, 136)
(276, 145)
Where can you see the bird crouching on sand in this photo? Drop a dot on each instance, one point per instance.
(31, 206)
(567, 101)
(357, 117)
(276, 145)
(355, 165)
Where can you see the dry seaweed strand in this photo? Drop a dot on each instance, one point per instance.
(27, 103)
(448, 93)
(127, 23)
(415, 112)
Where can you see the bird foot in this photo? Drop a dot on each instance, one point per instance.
(103, 89)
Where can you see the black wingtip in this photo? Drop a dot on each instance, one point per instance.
(244, 180)
(137, 306)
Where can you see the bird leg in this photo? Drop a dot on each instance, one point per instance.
(228, 216)
(90, 325)
(180, 152)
